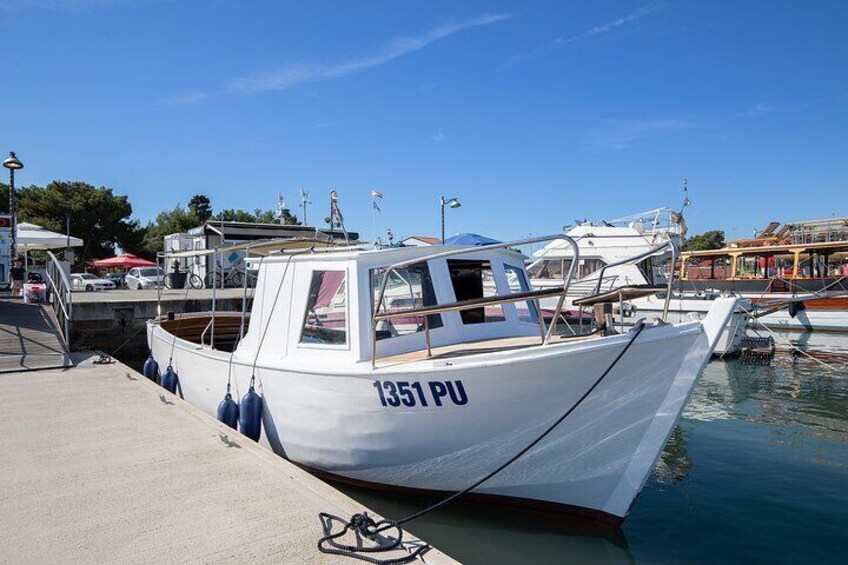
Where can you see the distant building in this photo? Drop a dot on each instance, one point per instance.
(420, 241)
(214, 234)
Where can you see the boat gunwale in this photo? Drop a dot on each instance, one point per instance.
(470, 360)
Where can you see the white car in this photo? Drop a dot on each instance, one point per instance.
(140, 278)
(89, 282)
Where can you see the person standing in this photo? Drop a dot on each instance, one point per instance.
(17, 274)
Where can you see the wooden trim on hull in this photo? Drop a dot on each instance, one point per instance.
(596, 517)
(814, 304)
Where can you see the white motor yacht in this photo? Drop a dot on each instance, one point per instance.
(628, 252)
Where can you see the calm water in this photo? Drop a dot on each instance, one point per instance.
(756, 471)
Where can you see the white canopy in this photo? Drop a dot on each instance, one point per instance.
(32, 237)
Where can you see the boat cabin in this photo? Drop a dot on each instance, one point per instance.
(325, 300)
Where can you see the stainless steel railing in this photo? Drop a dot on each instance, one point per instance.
(636, 258)
(61, 297)
(474, 303)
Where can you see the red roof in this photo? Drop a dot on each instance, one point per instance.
(425, 239)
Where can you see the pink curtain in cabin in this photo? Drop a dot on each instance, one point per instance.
(330, 283)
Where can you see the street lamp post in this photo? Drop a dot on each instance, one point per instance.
(453, 203)
(13, 164)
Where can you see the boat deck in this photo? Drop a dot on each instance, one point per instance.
(29, 339)
(472, 347)
(101, 465)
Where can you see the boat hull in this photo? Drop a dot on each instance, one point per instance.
(467, 416)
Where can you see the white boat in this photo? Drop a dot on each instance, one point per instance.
(466, 381)
(628, 252)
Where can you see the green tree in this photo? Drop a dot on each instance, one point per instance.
(258, 216)
(98, 216)
(175, 220)
(201, 207)
(708, 240)
(4, 198)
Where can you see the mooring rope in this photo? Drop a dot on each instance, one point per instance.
(241, 323)
(177, 329)
(363, 525)
(271, 313)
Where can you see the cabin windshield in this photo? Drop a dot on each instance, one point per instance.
(549, 268)
(557, 269)
(407, 288)
(325, 321)
(471, 280)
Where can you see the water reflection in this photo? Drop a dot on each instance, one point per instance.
(674, 462)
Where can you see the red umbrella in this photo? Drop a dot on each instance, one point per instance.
(125, 261)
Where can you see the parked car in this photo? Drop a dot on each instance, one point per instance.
(89, 282)
(140, 278)
(117, 278)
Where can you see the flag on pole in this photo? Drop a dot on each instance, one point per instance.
(376, 207)
(376, 194)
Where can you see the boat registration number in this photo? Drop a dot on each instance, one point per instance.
(414, 393)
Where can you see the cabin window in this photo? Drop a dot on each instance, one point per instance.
(549, 269)
(407, 288)
(326, 310)
(586, 267)
(474, 280)
(517, 280)
(653, 270)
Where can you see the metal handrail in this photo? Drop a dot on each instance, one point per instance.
(61, 293)
(206, 329)
(465, 305)
(644, 255)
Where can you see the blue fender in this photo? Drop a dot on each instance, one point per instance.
(228, 411)
(169, 380)
(250, 415)
(151, 368)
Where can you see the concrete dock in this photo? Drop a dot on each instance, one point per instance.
(100, 465)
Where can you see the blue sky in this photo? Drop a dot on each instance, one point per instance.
(532, 113)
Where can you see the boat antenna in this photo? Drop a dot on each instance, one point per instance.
(304, 201)
(686, 201)
(336, 219)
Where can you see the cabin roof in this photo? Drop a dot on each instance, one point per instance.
(389, 255)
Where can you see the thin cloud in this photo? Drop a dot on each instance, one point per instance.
(184, 99)
(619, 135)
(438, 136)
(760, 110)
(638, 14)
(293, 75)
(607, 27)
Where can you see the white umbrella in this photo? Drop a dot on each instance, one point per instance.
(31, 237)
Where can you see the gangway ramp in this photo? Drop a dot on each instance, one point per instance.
(29, 338)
